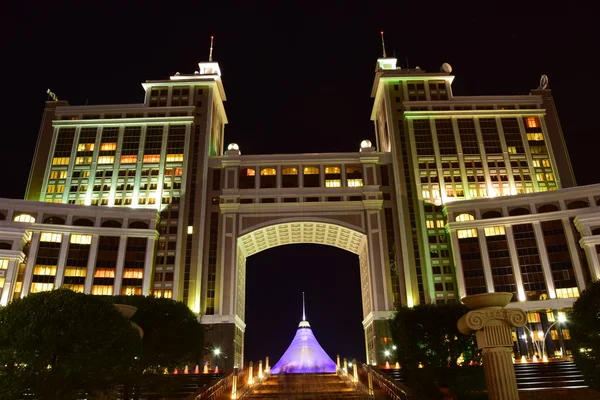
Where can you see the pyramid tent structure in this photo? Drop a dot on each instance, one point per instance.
(304, 355)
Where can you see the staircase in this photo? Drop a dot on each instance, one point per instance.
(172, 386)
(304, 386)
(548, 375)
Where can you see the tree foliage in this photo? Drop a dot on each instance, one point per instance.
(172, 334)
(584, 326)
(54, 345)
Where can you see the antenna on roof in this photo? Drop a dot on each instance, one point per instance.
(211, 47)
(383, 45)
(303, 308)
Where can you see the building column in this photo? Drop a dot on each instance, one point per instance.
(485, 260)
(543, 254)
(147, 280)
(89, 275)
(593, 262)
(574, 254)
(33, 249)
(514, 260)
(460, 277)
(120, 265)
(62, 260)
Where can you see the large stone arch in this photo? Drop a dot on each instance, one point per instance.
(244, 234)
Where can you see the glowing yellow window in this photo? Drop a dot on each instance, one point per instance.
(178, 171)
(83, 160)
(168, 294)
(464, 217)
(133, 273)
(128, 159)
(85, 147)
(157, 293)
(102, 290)
(536, 163)
(152, 158)
(81, 239)
(249, 172)
(494, 230)
(355, 182)
(131, 290)
(106, 160)
(550, 177)
(108, 146)
(332, 170)
(2, 280)
(268, 171)
(73, 287)
(430, 224)
(60, 161)
(174, 157)
(546, 163)
(467, 233)
(333, 183)
(3, 263)
(532, 122)
(311, 171)
(50, 189)
(540, 177)
(51, 237)
(24, 218)
(535, 136)
(190, 229)
(289, 171)
(45, 270)
(104, 273)
(38, 287)
(60, 188)
(75, 271)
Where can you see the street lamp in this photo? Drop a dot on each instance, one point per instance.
(386, 353)
(217, 351)
(560, 320)
(394, 347)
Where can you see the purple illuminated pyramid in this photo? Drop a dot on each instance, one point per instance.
(305, 354)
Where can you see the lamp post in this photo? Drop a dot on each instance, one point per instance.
(560, 320)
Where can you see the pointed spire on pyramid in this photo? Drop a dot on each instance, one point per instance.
(305, 354)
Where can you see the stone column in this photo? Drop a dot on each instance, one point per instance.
(493, 324)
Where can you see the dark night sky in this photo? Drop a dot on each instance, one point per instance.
(298, 77)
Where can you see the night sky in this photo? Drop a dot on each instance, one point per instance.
(298, 77)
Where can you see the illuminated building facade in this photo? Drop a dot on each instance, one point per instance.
(217, 207)
(97, 250)
(543, 247)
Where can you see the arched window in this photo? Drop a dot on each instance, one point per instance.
(54, 220)
(24, 218)
(519, 211)
(268, 171)
(464, 217)
(491, 214)
(247, 178)
(138, 225)
(289, 171)
(312, 177)
(289, 177)
(83, 222)
(268, 178)
(5, 246)
(111, 223)
(548, 208)
(577, 204)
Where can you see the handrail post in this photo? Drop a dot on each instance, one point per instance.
(234, 383)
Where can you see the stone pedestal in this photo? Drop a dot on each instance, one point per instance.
(493, 325)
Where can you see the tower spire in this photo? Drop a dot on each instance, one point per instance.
(383, 45)
(303, 308)
(211, 48)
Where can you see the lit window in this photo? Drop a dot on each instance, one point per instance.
(268, 171)
(333, 183)
(60, 161)
(85, 173)
(73, 287)
(566, 334)
(439, 223)
(190, 230)
(37, 287)
(85, 147)
(83, 160)
(550, 177)
(174, 157)
(178, 171)
(50, 189)
(105, 273)
(102, 290)
(567, 293)
(108, 146)
(289, 171)
(133, 273)
(157, 293)
(249, 172)
(533, 317)
(467, 233)
(152, 158)
(512, 149)
(464, 217)
(425, 194)
(2, 280)
(58, 174)
(131, 290)
(81, 239)
(540, 177)
(494, 230)
(50, 237)
(355, 182)
(311, 170)
(532, 122)
(546, 163)
(45, 270)
(332, 170)
(106, 160)
(128, 159)
(430, 224)
(168, 294)
(60, 188)
(142, 201)
(3, 263)
(75, 271)
(536, 163)
(535, 136)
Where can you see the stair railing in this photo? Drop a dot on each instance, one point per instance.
(220, 387)
(357, 385)
(393, 389)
